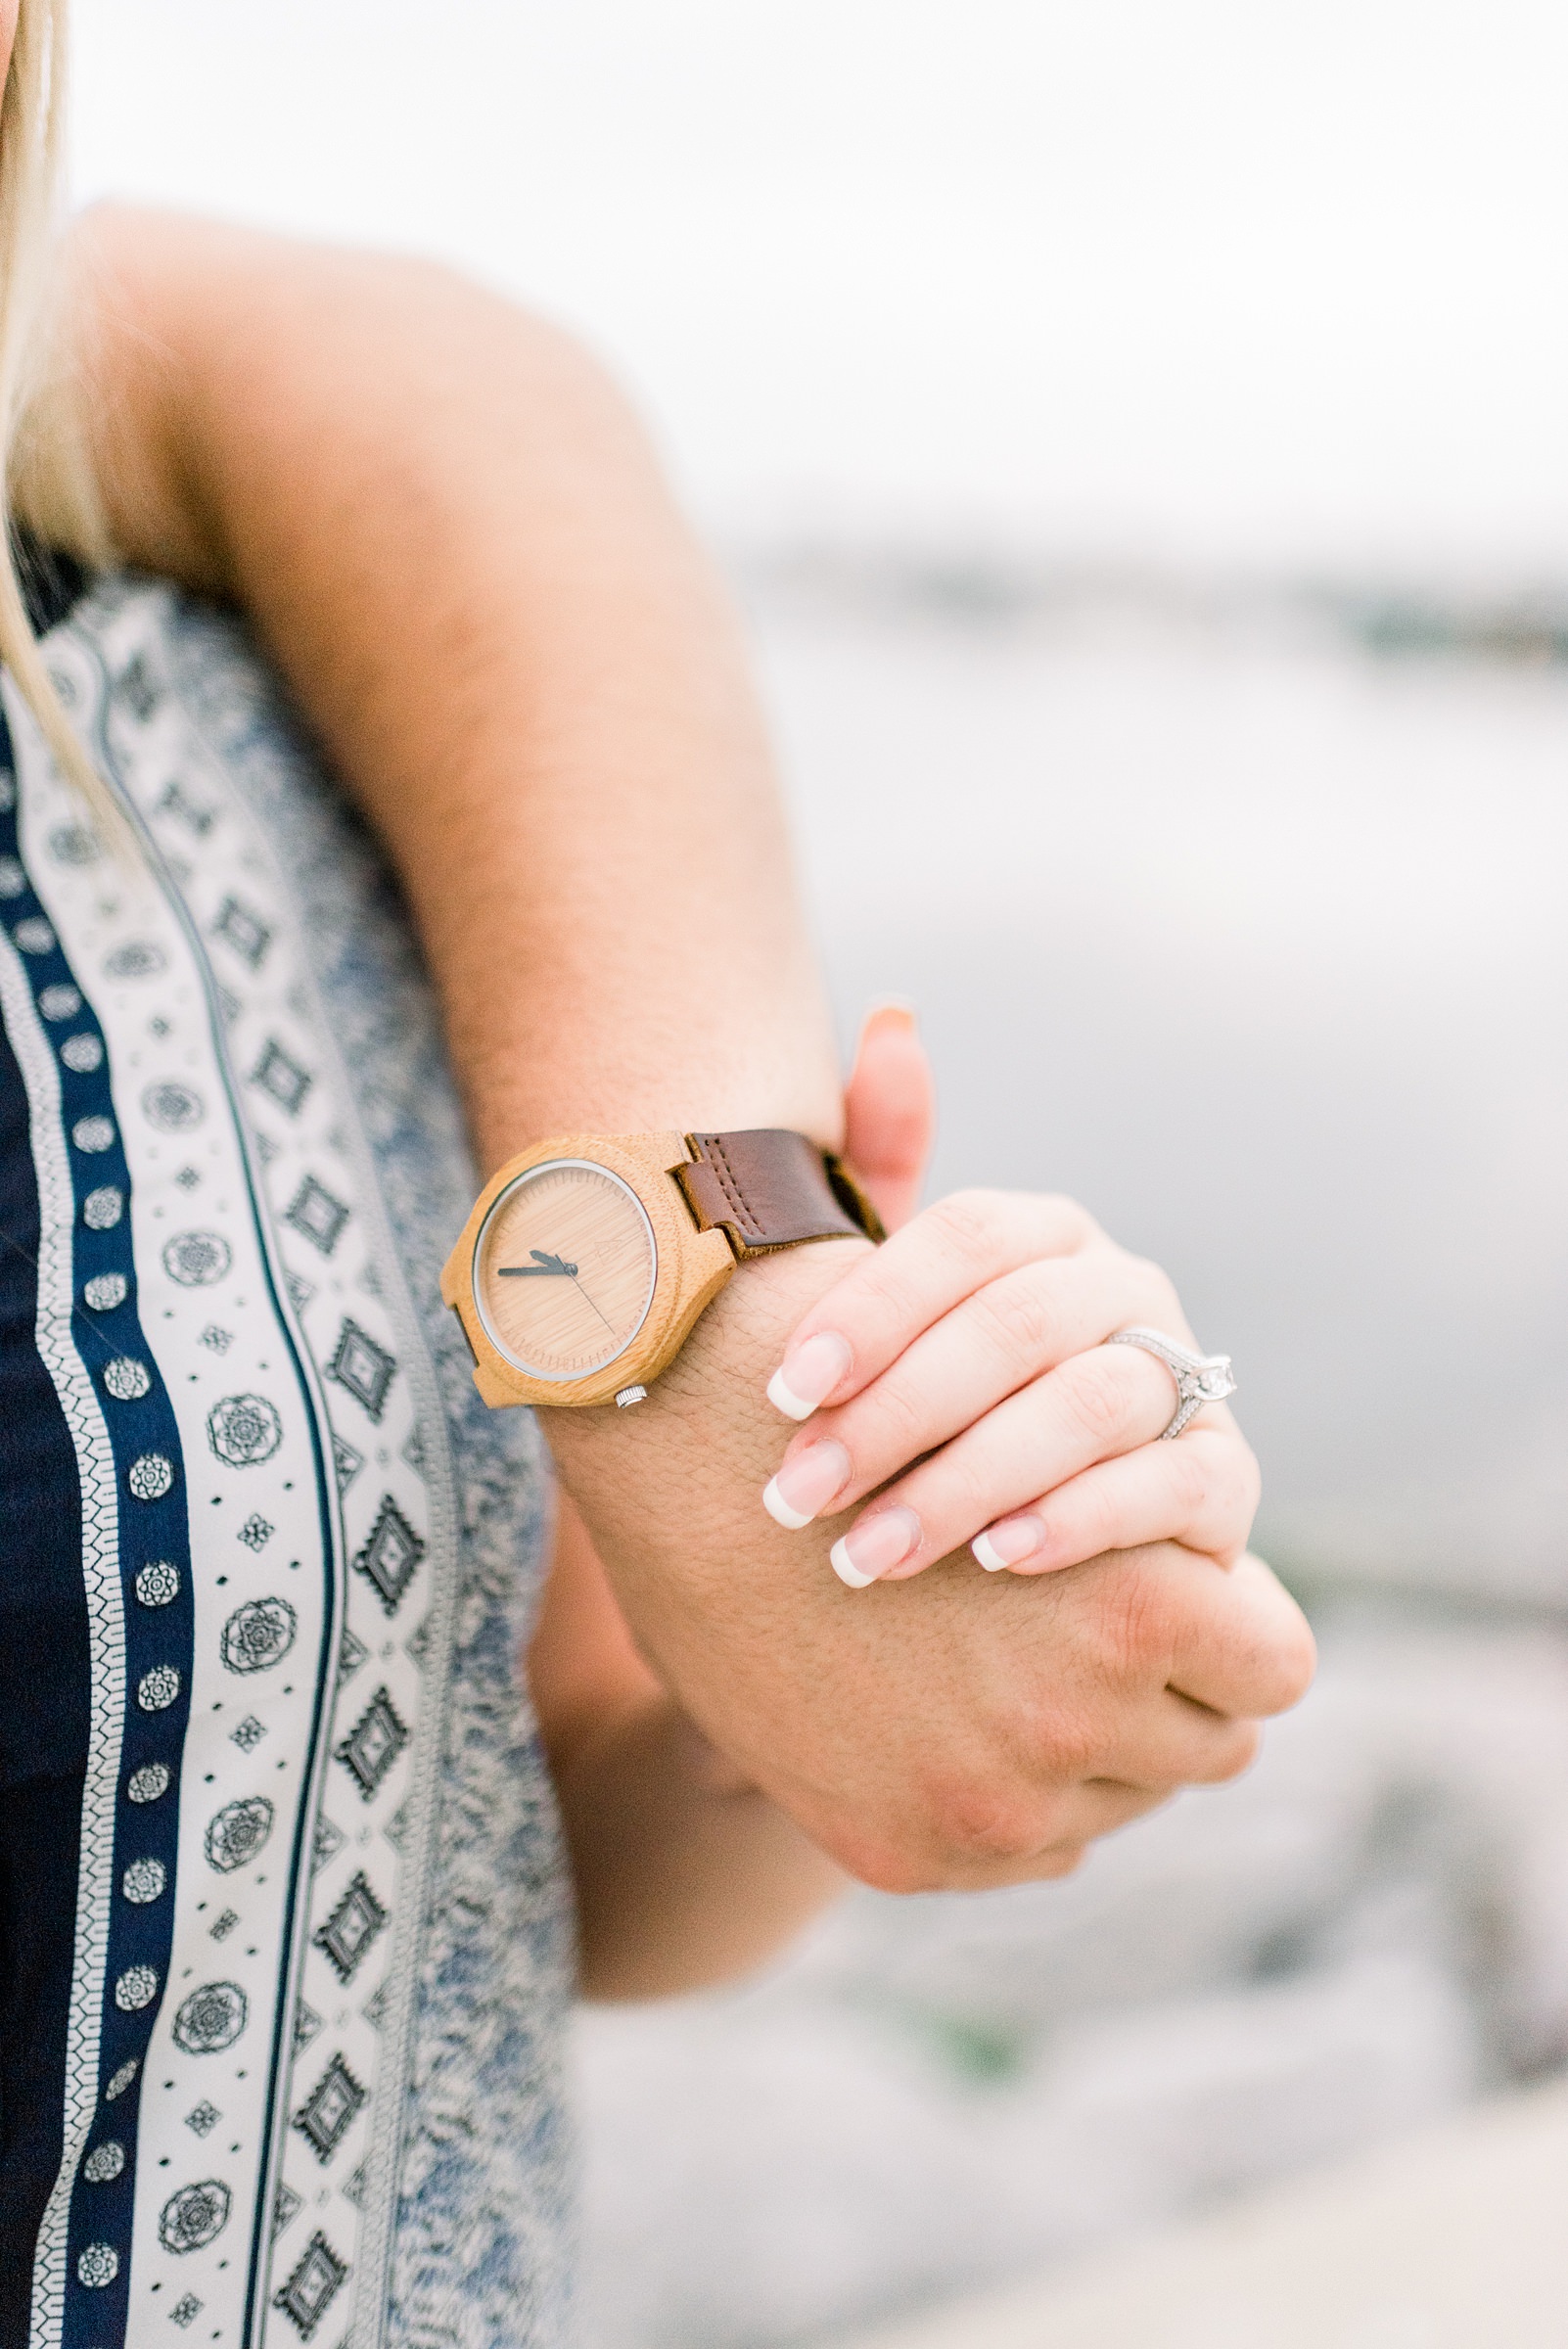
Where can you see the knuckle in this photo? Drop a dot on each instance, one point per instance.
(1018, 1316)
(970, 1222)
(975, 1820)
(1135, 1628)
(966, 1492)
(1078, 1226)
(1095, 1401)
(1271, 1669)
(982, 1225)
(894, 1421)
(887, 1303)
(1234, 1491)
(1071, 1747)
(1216, 1485)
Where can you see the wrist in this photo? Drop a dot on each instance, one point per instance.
(716, 1387)
(672, 1491)
(587, 1260)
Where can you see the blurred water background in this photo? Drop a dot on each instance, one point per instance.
(1137, 439)
(1246, 928)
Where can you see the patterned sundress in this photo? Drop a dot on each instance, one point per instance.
(285, 1941)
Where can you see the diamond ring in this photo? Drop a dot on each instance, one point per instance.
(1200, 1378)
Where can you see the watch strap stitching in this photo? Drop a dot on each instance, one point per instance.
(770, 1188)
(717, 1158)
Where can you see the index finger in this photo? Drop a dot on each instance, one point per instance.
(887, 1299)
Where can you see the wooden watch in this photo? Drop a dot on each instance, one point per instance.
(586, 1259)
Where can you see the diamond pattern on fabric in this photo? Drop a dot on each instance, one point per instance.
(244, 930)
(279, 1073)
(350, 1928)
(329, 2113)
(317, 1213)
(364, 1367)
(390, 1555)
(373, 1745)
(312, 2287)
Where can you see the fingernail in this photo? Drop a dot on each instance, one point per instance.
(807, 1372)
(805, 1484)
(871, 1548)
(1008, 1543)
(893, 1007)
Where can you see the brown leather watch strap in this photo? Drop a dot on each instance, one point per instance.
(771, 1188)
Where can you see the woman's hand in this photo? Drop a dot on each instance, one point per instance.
(973, 1346)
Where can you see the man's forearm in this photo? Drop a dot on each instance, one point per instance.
(685, 1876)
(460, 552)
(684, 1872)
(453, 539)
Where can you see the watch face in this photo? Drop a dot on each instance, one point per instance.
(564, 1268)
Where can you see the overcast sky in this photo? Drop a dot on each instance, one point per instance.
(1187, 278)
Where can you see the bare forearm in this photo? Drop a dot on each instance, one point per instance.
(684, 1872)
(455, 542)
(685, 1876)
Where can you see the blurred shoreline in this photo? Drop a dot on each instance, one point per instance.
(985, 585)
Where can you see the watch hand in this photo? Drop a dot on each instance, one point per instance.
(587, 1300)
(542, 1263)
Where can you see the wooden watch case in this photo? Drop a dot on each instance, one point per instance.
(691, 1266)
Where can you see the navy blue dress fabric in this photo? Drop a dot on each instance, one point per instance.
(43, 1725)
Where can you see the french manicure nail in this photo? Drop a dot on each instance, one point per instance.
(1008, 1543)
(805, 1484)
(809, 1372)
(874, 1546)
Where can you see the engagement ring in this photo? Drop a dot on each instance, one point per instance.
(1200, 1378)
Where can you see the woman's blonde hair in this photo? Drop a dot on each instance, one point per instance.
(48, 480)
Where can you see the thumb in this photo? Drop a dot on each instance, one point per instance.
(890, 1111)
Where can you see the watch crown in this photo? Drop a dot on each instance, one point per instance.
(630, 1395)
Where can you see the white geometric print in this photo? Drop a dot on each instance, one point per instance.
(172, 1096)
(215, 1114)
(436, 2209)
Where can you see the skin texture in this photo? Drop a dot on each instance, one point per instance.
(685, 1873)
(454, 541)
